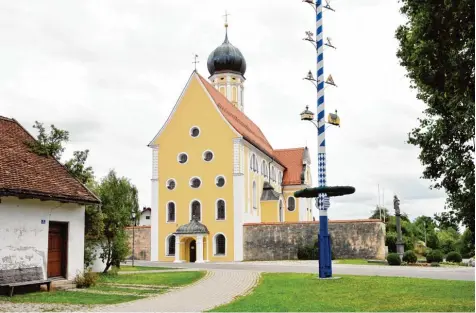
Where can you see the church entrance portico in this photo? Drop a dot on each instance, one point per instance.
(190, 242)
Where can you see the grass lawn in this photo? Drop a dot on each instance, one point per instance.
(111, 290)
(355, 261)
(171, 279)
(70, 297)
(128, 268)
(305, 293)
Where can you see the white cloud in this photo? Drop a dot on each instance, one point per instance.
(111, 71)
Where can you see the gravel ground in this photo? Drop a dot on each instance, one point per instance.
(43, 307)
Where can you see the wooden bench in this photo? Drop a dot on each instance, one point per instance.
(22, 277)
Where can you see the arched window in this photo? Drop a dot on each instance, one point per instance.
(252, 162)
(265, 171)
(196, 210)
(220, 209)
(171, 245)
(254, 195)
(273, 174)
(220, 245)
(263, 167)
(170, 212)
(280, 177)
(291, 204)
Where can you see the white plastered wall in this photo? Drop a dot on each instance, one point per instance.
(24, 233)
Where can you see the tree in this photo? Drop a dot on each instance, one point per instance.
(447, 220)
(51, 144)
(119, 199)
(76, 167)
(465, 244)
(437, 50)
(380, 213)
(447, 239)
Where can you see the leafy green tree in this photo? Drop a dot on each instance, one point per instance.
(380, 213)
(77, 167)
(51, 144)
(447, 220)
(119, 198)
(447, 239)
(465, 244)
(437, 49)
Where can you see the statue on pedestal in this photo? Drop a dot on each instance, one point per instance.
(399, 243)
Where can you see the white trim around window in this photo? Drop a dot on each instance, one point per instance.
(190, 210)
(216, 210)
(167, 244)
(167, 212)
(215, 246)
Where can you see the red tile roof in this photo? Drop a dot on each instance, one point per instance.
(293, 160)
(242, 123)
(25, 174)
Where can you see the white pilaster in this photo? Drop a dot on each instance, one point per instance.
(238, 205)
(177, 249)
(199, 249)
(154, 225)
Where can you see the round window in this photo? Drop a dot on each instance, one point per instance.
(171, 184)
(194, 131)
(220, 181)
(195, 182)
(182, 158)
(208, 156)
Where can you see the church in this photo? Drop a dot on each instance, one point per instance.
(213, 170)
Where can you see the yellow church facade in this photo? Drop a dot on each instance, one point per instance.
(213, 170)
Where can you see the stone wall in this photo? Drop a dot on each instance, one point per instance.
(141, 242)
(280, 241)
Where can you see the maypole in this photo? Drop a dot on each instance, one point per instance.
(325, 261)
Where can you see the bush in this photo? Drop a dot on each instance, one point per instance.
(435, 264)
(86, 279)
(393, 259)
(454, 257)
(409, 257)
(309, 252)
(435, 256)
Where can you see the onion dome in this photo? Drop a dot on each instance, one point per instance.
(194, 227)
(226, 58)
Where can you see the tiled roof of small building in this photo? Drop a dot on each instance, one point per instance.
(26, 174)
(293, 160)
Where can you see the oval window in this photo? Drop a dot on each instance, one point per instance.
(195, 182)
(208, 156)
(220, 181)
(182, 158)
(194, 131)
(171, 184)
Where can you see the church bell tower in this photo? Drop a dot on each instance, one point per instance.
(227, 68)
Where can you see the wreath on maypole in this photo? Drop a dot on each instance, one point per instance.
(330, 191)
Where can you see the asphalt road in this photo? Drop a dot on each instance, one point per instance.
(453, 273)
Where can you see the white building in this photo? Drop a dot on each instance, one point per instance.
(145, 217)
(41, 208)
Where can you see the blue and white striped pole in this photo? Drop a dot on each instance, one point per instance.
(325, 261)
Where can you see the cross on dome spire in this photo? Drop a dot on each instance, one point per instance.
(226, 25)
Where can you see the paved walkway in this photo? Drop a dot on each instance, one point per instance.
(216, 288)
(453, 273)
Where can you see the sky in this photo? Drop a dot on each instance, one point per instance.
(110, 72)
